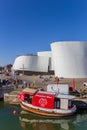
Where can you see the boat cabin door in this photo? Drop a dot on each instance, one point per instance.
(63, 103)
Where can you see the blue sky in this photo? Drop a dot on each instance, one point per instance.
(29, 26)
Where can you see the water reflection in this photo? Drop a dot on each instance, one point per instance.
(32, 122)
(26, 121)
(38, 123)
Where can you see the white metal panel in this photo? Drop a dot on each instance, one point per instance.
(47, 54)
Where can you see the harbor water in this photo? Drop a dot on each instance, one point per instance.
(21, 120)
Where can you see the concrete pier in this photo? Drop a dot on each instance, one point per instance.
(5, 89)
(11, 98)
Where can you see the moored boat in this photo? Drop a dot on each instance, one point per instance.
(48, 104)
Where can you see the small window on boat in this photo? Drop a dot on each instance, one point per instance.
(57, 103)
(26, 97)
(69, 104)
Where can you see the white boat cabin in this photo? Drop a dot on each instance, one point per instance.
(59, 88)
(64, 101)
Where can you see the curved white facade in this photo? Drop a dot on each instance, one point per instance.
(31, 63)
(49, 55)
(70, 59)
(45, 53)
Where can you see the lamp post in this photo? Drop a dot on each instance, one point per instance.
(23, 69)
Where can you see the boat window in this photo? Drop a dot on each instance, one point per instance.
(69, 104)
(57, 103)
(26, 97)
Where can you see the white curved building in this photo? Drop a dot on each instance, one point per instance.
(31, 63)
(70, 59)
(67, 59)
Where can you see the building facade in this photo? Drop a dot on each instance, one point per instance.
(70, 59)
(67, 59)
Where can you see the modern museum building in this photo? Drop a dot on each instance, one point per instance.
(66, 59)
